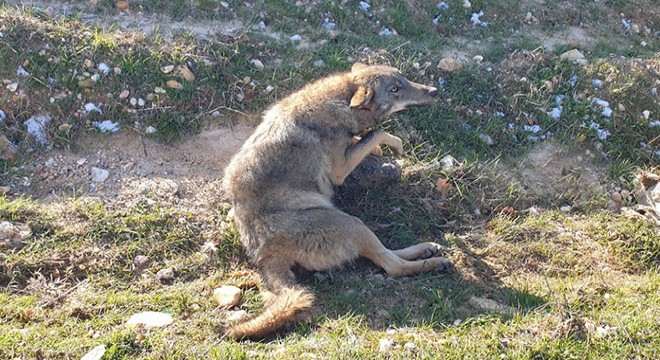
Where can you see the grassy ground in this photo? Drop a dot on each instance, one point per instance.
(583, 283)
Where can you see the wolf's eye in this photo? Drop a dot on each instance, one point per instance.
(394, 89)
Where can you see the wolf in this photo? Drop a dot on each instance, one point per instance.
(282, 180)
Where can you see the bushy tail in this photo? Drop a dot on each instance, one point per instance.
(281, 309)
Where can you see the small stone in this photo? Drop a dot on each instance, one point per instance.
(269, 88)
(478, 59)
(566, 208)
(165, 275)
(159, 90)
(216, 113)
(99, 175)
(409, 346)
(467, 4)
(575, 56)
(625, 194)
(636, 29)
(124, 94)
(96, 353)
(86, 83)
(319, 63)
(227, 296)
(616, 197)
(643, 43)
(449, 64)
(150, 319)
(457, 322)
(133, 101)
(64, 128)
(141, 102)
(174, 84)
(486, 139)
(257, 64)
(12, 87)
(95, 77)
(122, 5)
(646, 114)
(185, 73)
(296, 38)
(236, 315)
(140, 261)
(150, 130)
(167, 69)
(385, 345)
(224, 4)
(88, 64)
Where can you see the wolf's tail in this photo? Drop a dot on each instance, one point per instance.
(281, 309)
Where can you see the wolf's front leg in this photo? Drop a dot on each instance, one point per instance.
(357, 152)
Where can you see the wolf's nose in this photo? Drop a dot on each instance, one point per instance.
(433, 92)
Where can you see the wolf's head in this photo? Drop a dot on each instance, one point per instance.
(382, 90)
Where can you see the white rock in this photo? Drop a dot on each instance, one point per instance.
(236, 315)
(140, 102)
(167, 69)
(478, 58)
(566, 208)
(296, 38)
(106, 126)
(269, 88)
(95, 354)
(385, 345)
(159, 90)
(365, 5)
(150, 130)
(216, 113)
(387, 32)
(409, 346)
(467, 4)
(227, 295)
(448, 162)
(89, 107)
(99, 175)
(133, 101)
(486, 139)
(257, 64)
(36, 126)
(104, 68)
(150, 319)
(646, 114)
(21, 72)
(95, 77)
(575, 56)
(319, 63)
(534, 129)
(12, 87)
(166, 274)
(457, 322)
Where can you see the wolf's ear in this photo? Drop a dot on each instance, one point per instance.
(362, 97)
(357, 66)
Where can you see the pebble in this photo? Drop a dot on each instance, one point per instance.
(167, 69)
(319, 63)
(409, 346)
(165, 275)
(449, 64)
(385, 345)
(269, 88)
(122, 5)
(565, 208)
(365, 5)
(575, 56)
(104, 68)
(174, 84)
(159, 90)
(140, 102)
(12, 87)
(467, 4)
(227, 296)
(95, 77)
(99, 175)
(150, 130)
(257, 64)
(215, 113)
(616, 197)
(185, 72)
(133, 101)
(478, 58)
(236, 315)
(95, 354)
(646, 114)
(124, 94)
(88, 64)
(150, 319)
(486, 139)
(296, 38)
